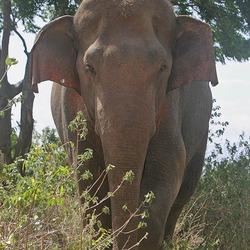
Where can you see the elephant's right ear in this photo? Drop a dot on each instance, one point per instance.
(53, 56)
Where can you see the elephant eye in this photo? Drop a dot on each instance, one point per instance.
(90, 68)
(163, 67)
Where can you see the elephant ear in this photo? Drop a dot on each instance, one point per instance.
(193, 57)
(53, 56)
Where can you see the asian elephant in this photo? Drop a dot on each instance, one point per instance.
(141, 76)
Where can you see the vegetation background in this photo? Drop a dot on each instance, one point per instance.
(42, 211)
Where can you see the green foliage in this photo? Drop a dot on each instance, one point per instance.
(9, 105)
(14, 139)
(34, 205)
(129, 177)
(229, 20)
(217, 127)
(79, 126)
(218, 215)
(9, 63)
(26, 11)
(43, 210)
(226, 185)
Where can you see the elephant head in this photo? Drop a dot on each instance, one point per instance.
(122, 57)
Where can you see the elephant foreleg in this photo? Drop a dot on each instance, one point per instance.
(189, 184)
(163, 175)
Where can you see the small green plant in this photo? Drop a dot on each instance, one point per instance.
(32, 205)
(43, 209)
(9, 63)
(218, 215)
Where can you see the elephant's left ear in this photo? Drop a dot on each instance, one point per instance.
(193, 57)
(53, 56)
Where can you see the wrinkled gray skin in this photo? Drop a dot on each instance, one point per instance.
(141, 76)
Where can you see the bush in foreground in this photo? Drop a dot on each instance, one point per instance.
(218, 215)
(42, 209)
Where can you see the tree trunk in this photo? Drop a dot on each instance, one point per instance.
(5, 121)
(26, 127)
(8, 92)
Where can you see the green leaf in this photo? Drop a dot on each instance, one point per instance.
(11, 61)
(142, 224)
(87, 175)
(106, 210)
(129, 177)
(149, 197)
(109, 168)
(145, 214)
(125, 208)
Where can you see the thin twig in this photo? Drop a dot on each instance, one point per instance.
(23, 41)
(139, 242)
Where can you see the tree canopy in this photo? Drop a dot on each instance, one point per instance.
(25, 11)
(229, 19)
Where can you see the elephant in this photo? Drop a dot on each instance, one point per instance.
(141, 76)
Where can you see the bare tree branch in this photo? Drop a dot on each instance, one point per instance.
(16, 89)
(23, 41)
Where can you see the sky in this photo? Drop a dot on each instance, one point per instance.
(232, 94)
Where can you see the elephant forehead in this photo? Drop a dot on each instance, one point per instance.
(121, 7)
(126, 7)
(91, 9)
(95, 17)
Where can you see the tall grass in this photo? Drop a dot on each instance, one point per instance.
(218, 215)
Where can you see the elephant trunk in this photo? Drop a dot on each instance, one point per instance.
(125, 131)
(126, 155)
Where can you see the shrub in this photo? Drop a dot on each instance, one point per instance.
(218, 215)
(42, 210)
(33, 207)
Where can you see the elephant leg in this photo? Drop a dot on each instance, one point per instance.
(63, 114)
(189, 184)
(163, 175)
(165, 194)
